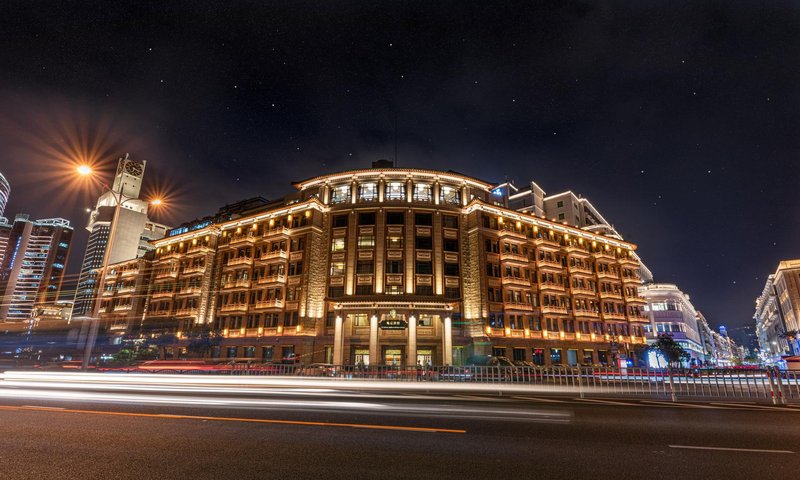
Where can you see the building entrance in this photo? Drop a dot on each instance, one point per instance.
(393, 355)
(425, 356)
(361, 356)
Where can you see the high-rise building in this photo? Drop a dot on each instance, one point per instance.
(5, 232)
(5, 191)
(670, 311)
(777, 314)
(32, 269)
(122, 216)
(388, 266)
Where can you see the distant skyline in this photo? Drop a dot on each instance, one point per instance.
(678, 121)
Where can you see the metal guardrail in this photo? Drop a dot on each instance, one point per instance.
(779, 386)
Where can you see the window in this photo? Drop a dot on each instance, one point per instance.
(366, 218)
(394, 242)
(424, 243)
(424, 290)
(335, 292)
(366, 241)
(424, 268)
(290, 320)
(337, 245)
(450, 221)
(395, 218)
(231, 352)
(451, 195)
(340, 194)
(296, 268)
(423, 219)
(422, 192)
(537, 356)
(452, 292)
(363, 289)
(395, 191)
(425, 320)
(365, 267)
(330, 320)
(337, 268)
(339, 221)
(587, 357)
(555, 356)
(451, 269)
(394, 290)
(368, 192)
(450, 245)
(559, 204)
(561, 216)
(266, 353)
(360, 320)
(394, 266)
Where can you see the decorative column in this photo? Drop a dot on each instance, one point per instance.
(447, 341)
(338, 342)
(412, 341)
(373, 340)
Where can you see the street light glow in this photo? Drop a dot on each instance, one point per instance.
(156, 202)
(84, 170)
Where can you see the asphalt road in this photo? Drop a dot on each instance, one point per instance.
(315, 433)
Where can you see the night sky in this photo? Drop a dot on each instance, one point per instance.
(679, 121)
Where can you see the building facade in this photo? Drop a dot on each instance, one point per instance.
(671, 311)
(5, 192)
(119, 214)
(32, 268)
(777, 313)
(388, 266)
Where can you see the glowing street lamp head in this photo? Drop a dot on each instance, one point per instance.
(156, 202)
(84, 170)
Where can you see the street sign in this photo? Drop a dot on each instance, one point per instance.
(393, 324)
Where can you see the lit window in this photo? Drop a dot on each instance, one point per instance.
(340, 194)
(368, 192)
(360, 319)
(394, 290)
(450, 195)
(395, 191)
(337, 268)
(394, 242)
(422, 192)
(366, 241)
(337, 245)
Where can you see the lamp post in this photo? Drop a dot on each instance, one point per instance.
(119, 201)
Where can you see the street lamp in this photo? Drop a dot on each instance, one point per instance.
(119, 201)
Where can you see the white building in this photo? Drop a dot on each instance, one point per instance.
(130, 235)
(671, 311)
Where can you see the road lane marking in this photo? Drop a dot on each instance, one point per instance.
(236, 419)
(726, 449)
(754, 406)
(607, 402)
(678, 404)
(536, 399)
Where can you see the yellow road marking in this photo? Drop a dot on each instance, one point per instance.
(237, 419)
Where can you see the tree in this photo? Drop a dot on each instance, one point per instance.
(672, 351)
(201, 341)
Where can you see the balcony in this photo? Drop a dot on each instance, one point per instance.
(162, 294)
(549, 264)
(271, 303)
(525, 282)
(194, 269)
(517, 257)
(638, 318)
(612, 316)
(555, 310)
(239, 261)
(108, 293)
(277, 231)
(234, 307)
(604, 255)
(586, 313)
(583, 291)
(198, 249)
(169, 255)
(275, 255)
(633, 280)
(249, 239)
(129, 273)
(607, 274)
(635, 299)
(186, 312)
(550, 286)
(189, 290)
(123, 308)
(580, 270)
(128, 289)
(628, 261)
(166, 274)
(611, 295)
(517, 306)
(269, 279)
(236, 284)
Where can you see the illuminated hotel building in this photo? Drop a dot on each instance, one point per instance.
(388, 266)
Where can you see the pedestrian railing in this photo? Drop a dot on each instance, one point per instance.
(779, 386)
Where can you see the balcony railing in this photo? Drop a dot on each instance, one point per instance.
(162, 294)
(129, 289)
(234, 307)
(188, 291)
(554, 309)
(239, 239)
(239, 261)
(167, 274)
(275, 254)
(194, 269)
(548, 264)
(583, 291)
(278, 278)
(186, 312)
(271, 303)
(517, 281)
